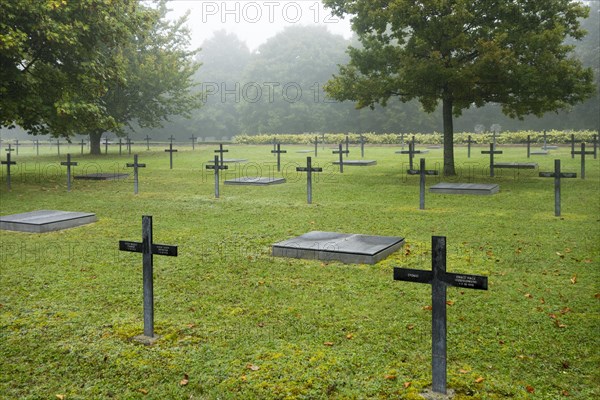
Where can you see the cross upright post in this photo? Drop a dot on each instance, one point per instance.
(545, 142)
(422, 173)
(595, 140)
(82, 145)
(529, 145)
(316, 145)
(278, 151)
(171, 150)
(347, 144)
(582, 152)
(8, 163)
(323, 139)
(17, 146)
(193, 139)
(221, 151)
(68, 163)
(135, 166)
(58, 146)
(274, 146)
(309, 170)
(469, 142)
(439, 279)
(37, 147)
(341, 160)
(362, 146)
(147, 139)
(120, 145)
(148, 249)
(105, 145)
(572, 145)
(129, 143)
(216, 166)
(557, 175)
(491, 152)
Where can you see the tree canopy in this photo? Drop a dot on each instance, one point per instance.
(463, 53)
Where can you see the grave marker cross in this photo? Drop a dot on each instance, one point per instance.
(147, 139)
(82, 145)
(469, 142)
(129, 143)
(58, 146)
(316, 145)
(171, 150)
(557, 175)
(17, 146)
(9, 148)
(68, 163)
(278, 151)
(411, 153)
(8, 163)
(105, 145)
(120, 145)
(491, 152)
(216, 166)
(309, 170)
(221, 151)
(347, 145)
(422, 173)
(135, 166)
(438, 278)
(362, 146)
(341, 153)
(582, 152)
(193, 139)
(37, 147)
(148, 249)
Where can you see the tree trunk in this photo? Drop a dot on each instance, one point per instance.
(95, 142)
(448, 136)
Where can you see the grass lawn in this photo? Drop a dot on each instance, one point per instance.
(237, 323)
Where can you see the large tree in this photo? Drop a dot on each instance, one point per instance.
(463, 53)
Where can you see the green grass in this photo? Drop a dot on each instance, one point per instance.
(70, 302)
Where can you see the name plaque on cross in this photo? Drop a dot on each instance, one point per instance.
(148, 249)
(439, 279)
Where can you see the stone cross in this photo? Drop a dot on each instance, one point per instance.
(582, 152)
(148, 249)
(341, 153)
(411, 153)
(278, 151)
(17, 145)
(316, 145)
(68, 163)
(8, 163)
(438, 278)
(193, 139)
(221, 151)
(171, 150)
(572, 145)
(529, 144)
(135, 166)
(58, 146)
(469, 142)
(309, 170)
(422, 173)
(82, 145)
(129, 143)
(147, 139)
(347, 145)
(217, 167)
(37, 147)
(491, 152)
(120, 145)
(105, 145)
(362, 146)
(557, 175)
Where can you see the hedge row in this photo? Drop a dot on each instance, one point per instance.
(519, 137)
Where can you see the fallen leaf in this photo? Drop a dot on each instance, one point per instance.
(191, 325)
(328, 343)
(390, 377)
(574, 279)
(60, 396)
(587, 261)
(501, 342)
(252, 367)
(243, 378)
(407, 384)
(350, 336)
(597, 295)
(553, 316)
(530, 389)
(565, 364)
(410, 327)
(560, 254)
(479, 380)
(463, 371)
(429, 308)
(450, 302)
(542, 301)
(528, 295)
(185, 380)
(568, 250)
(565, 393)
(142, 391)
(558, 324)
(565, 310)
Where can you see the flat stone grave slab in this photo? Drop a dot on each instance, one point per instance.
(102, 176)
(305, 151)
(550, 147)
(229, 160)
(255, 181)
(435, 146)
(359, 163)
(516, 165)
(417, 152)
(41, 221)
(334, 246)
(538, 153)
(465, 188)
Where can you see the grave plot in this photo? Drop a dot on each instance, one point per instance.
(334, 246)
(255, 181)
(464, 188)
(102, 176)
(357, 163)
(41, 221)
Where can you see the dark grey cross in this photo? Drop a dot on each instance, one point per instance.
(278, 151)
(402, 141)
(545, 143)
(469, 142)
(9, 148)
(438, 278)
(572, 145)
(148, 249)
(120, 145)
(105, 145)
(193, 139)
(68, 163)
(557, 175)
(411, 153)
(82, 145)
(316, 145)
(17, 146)
(341, 153)
(362, 146)
(323, 140)
(221, 151)
(171, 139)
(8, 163)
(595, 141)
(37, 147)
(495, 130)
(422, 173)
(582, 152)
(147, 139)
(274, 146)
(216, 166)
(129, 143)
(58, 146)
(347, 145)
(135, 167)
(309, 170)
(491, 152)
(171, 150)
